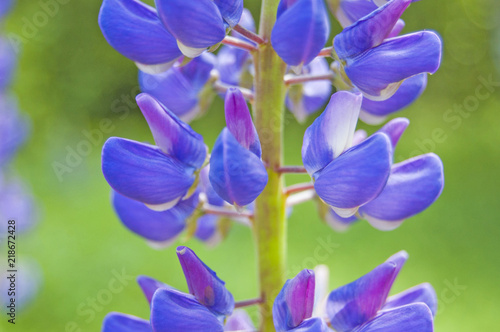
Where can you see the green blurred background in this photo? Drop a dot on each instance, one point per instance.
(70, 79)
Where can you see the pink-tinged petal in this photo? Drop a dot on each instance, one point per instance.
(356, 303)
(204, 284)
(239, 121)
(295, 301)
(332, 132)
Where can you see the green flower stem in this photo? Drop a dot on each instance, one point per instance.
(269, 214)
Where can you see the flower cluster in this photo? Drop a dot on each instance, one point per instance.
(178, 185)
(362, 305)
(16, 201)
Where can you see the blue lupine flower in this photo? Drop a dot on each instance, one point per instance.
(363, 304)
(161, 175)
(412, 187)
(134, 29)
(203, 309)
(5, 7)
(8, 62)
(376, 65)
(375, 112)
(198, 25)
(181, 89)
(14, 129)
(161, 228)
(233, 64)
(293, 307)
(17, 203)
(306, 98)
(301, 30)
(237, 173)
(346, 177)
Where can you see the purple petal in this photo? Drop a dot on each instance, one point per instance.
(379, 71)
(231, 10)
(17, 203)
(295, 301)
(312, 325)
(301, 32)
(196, 24)
(232, 64)
(305, 99)
(144, 173)
(14, 128)
(239, 321)
(410, 318)
(354, 304)
(398, 27)
(408, 92)
(180, 87)
(172, 136)
(206, 227)
(149, 286)
(423, 293)
(369, 31)
(173, 311)
(118, 322)
(239, 121)
(204, 284)
(349, 11)
(394, 129)
(5, 7)
(358, 175)
(157, 226)
(237, 175)
(133, 29)
(246, 21)
(412, 187)
(332, 132)
(206, 187)
(8, 62)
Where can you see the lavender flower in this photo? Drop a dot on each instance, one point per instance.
(363, 304)
(203, 309)
(376, 65)
(161, 175)
(14, 129)
(8, 61)
(237, 173)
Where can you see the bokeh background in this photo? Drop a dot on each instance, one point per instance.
(70, 79)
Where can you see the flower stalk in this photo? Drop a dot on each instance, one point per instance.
(269, 214)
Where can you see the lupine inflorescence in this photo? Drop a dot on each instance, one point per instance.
(16, 201)
(188, 52)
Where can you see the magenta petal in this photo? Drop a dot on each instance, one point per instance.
(204, 284)
(239, 121)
